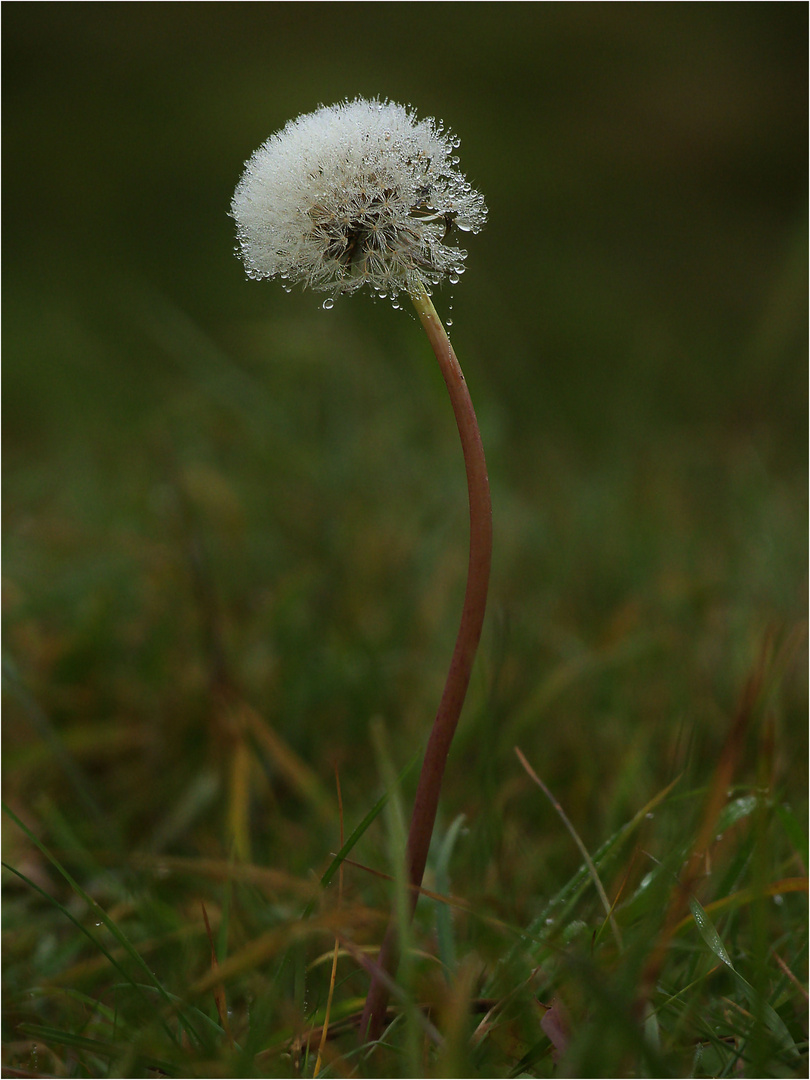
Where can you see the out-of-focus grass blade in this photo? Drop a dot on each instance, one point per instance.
(589, 863)
(103, 917)
(444, 917)
(190, 1010)
(193, 801)
(709, 934)
(735, 811)
(295, 770)
(92, 1004)
(55, 743)
(793, 830)
(94, 1046)
(220, 998)
(556, 910)
(373, 813)
(335, 864)
(748, 896)
(93, 939)
(539, 928)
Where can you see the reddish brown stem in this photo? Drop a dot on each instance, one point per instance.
(458, 677)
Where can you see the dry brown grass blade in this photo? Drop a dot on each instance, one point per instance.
(441, 898)
(333, 976)
(376, 971)
(716, 799)
(219, 990)
(802, 990)
(576, 838)
(295, 771)
(240, 767)
(451, 901)
(269, 944)
(273, 881)
(486, 1006)
(458, 1006)
(232, 717)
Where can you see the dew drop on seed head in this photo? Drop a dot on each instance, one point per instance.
(328, 303)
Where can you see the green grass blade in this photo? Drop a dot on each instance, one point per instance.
(794, 831)
(103, 917)
(95, 1046)
(444, 916)
(373, 813)
(130, 983)
(565, 899)
(712, 939)
(55, 743)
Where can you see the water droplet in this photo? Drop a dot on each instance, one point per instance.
(778, 899)
(329, 303)
(448, 321)
(454, 279)
(649, 816)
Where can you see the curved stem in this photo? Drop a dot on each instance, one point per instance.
(458, 677)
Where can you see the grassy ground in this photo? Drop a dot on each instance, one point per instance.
(235, 540)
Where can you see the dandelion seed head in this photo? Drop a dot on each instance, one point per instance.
(353, 194)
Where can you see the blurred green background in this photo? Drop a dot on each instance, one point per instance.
(208, 479)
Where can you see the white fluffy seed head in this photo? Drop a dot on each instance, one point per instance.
(359, 193)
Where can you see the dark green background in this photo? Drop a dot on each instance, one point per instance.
(633, 328)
